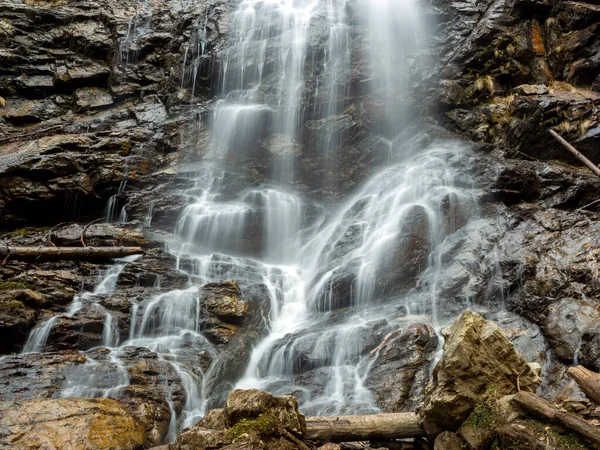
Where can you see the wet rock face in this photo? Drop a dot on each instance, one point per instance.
(69, 423)
(85, 106)
(535, 257)
(505, 74)
(477, 355)
(94, 111)
(234, 355)
(401, 366)
(567, 321)
(94, 374)
(590, 350)
(28, 294)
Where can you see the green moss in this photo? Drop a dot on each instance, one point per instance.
(483, 414)
(564, 438)
(481, 417)
(14, 285)
(263, 426)
(11, 305)
(6, 28)
(26, 231)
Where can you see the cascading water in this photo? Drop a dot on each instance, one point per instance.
(106, 285)
(338, 275)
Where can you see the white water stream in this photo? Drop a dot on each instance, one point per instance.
(334, 272)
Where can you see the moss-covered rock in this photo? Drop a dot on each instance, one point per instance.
(252, 419)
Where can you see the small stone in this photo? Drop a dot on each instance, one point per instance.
(92, 98)
(531, 89)
(448, 441)
(331, 446)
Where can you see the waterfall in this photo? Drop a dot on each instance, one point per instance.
(335, 273)
(338, 273)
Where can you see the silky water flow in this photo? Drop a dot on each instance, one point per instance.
(330, 271)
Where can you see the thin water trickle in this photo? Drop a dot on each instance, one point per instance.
(107, 282)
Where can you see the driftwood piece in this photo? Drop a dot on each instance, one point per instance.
(575, 153)
(67, 253)
(363, 428)
(545, 409)
(301, 445)
(588, 381)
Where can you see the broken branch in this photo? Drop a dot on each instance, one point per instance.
(575, 153)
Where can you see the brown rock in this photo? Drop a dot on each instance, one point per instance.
(251, 403)
(448, 441)
(516, 435)
(532, 89)
(477, 357)
(222, 301)
(252, 419)
(215, 419)
(92, 98)
(478, 430)
(197, 437)
(77, 424)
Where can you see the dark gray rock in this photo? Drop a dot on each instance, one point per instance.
(401, 367)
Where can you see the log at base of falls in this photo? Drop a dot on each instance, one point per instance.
(66, 253)
(384, 426)
(588, 381)
(545, 409)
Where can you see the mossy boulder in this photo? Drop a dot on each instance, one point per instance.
(478, 357)
(253, 404)
(251, 419)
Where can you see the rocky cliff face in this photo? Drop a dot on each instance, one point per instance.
(104, 113)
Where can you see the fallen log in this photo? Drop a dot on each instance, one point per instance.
(588, 381)
(545, 409)
(363, 428)
(575, 153)
(66, 253)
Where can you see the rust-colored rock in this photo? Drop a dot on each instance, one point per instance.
(69, 424)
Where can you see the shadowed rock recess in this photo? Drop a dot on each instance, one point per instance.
(336, 208)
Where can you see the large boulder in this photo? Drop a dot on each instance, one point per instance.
(251, 419)
(478, 358)
(77, 424)
(151, 380)
(252, 403)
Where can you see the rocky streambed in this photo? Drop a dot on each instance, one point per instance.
(487, 402)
